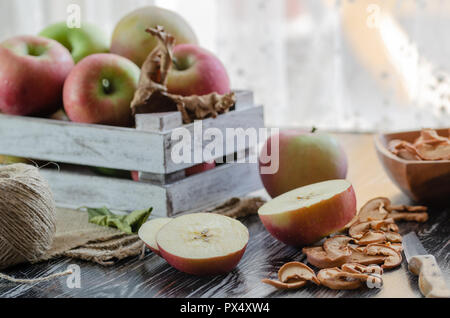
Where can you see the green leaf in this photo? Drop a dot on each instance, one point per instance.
(129, 224)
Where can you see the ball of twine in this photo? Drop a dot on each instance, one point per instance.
(27, 215)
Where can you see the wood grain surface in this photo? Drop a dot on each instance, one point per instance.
(153, 277)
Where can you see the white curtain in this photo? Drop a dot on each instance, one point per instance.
(310, 62)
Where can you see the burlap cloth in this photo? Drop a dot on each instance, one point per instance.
(77, 238)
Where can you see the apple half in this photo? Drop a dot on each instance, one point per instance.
(305, 215)
(147, 233)
(203, 243)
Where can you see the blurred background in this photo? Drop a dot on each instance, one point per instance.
(361, 65)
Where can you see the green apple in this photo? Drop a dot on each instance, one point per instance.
(302, 158)
(81, 42)
(131, 41)
(7, 160)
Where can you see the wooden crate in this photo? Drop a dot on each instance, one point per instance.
(146, 149)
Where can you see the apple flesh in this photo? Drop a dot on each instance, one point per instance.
(99, 90)
(32, 72)
(147, 233)
(203, 243)
(81, 42)
(304, 158)
(131, 41)
(196, 71)
(305, 215)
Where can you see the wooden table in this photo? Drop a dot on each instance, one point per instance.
(153, 277)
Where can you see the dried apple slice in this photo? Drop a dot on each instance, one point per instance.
(147, 232)
(281, 285)
(334, 278)
(374, 210)
(358, 256)
(371, 237)
(337, 246)
(295, 271)
(408, 216)
(317, 256)
(203, 243)
(393, 258)
(358, 268)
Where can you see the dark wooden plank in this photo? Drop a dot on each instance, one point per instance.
(153, 277)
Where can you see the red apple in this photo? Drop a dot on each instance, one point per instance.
(203, 243)
(305, 215)
(99, 90)
(147, 233)
(134, 175)
(131, 41)
(303, 158)
(200, 168)
(32, 74)
(196, 71)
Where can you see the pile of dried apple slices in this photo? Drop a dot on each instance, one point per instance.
(372, 245)
(198, 244)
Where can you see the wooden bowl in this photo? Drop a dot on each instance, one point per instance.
(422, 181)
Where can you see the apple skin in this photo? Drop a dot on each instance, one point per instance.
(32, 71)
(131, 41)
(7, 160)
(200, 168)
(87, 101)
(81, 42)
(196, 72)
(153, 250)
(204, 267)
(134, 175)
(304, 158)
(309, 224)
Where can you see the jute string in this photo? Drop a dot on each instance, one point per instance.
(27, 217)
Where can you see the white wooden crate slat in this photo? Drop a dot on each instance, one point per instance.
(146, 149)
(73, 189)
(107, 146)
(92, 145)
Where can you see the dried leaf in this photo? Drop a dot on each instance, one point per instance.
(152, 96)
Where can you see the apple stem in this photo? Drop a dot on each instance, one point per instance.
(107, 87)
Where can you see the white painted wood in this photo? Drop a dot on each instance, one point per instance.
(213, 186)
(82, 144)
(244, 99)
(75, 190)
(158, 121)
(252, 117)
(162, 178)
(108, 146)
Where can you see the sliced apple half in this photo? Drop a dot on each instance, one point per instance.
(305, 215)
(203, 243)
(147, 232)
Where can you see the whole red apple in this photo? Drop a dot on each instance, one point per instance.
(304, 158)
(32, 74)
(196, 71)
(99, 90)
